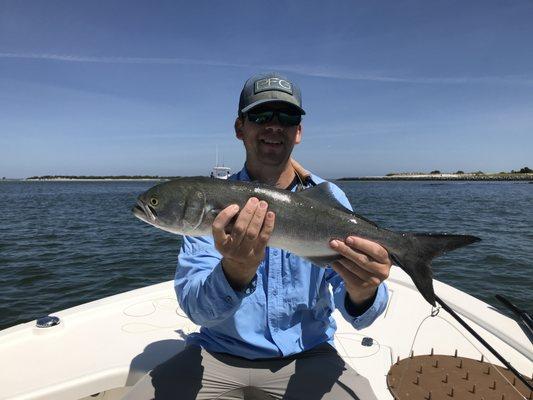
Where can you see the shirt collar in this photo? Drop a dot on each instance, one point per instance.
(243, 175)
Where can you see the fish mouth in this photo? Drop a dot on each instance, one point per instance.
(144, 211)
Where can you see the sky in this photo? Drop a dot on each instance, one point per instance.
(152, 87)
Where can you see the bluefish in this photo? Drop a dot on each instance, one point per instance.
(306, 221)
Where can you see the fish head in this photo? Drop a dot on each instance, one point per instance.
(176, 206)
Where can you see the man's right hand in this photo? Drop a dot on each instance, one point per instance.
(244, 247)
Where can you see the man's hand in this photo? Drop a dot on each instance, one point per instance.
(244, 247)
(365, 265)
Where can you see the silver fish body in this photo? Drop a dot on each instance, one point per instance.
(306, 221)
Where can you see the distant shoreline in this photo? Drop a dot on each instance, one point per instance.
(95, 178)
(90, 179)
(443, 177)
(390, 177)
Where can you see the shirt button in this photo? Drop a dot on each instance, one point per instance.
(228, 299)
(275, 252)
(274, 292)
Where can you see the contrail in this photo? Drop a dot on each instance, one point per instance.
(333, 73)
(117, 60)
(319, 72)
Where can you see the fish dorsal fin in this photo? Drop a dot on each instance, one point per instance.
(323, 193)
(365, 219)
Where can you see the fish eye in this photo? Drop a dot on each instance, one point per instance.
(154, 202)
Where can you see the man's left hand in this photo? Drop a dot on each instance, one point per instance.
(365, 264)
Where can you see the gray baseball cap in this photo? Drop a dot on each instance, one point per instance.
(268, 88)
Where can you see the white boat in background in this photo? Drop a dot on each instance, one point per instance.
(99, 350)
(220, 171)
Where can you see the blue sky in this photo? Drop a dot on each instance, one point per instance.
(131, 87)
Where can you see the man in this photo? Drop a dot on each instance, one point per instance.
(265, 314)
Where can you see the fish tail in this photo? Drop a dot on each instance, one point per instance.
(419, 250)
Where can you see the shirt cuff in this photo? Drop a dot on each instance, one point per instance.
(231, 295)
(356, 310)
(371, 313)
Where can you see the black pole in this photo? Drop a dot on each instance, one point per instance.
(524, 317)
(483, 342)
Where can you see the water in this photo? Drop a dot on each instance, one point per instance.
(67, 243)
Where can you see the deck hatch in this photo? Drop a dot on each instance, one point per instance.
(437, 376)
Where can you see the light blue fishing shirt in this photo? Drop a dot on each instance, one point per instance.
(286, 309)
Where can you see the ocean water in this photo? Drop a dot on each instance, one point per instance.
(67, 243)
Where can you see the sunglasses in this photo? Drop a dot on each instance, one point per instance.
(284, 117)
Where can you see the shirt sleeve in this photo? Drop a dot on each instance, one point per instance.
(339, 289)
(370, 315)
(202, 289)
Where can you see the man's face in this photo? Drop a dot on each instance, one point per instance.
(270, 143)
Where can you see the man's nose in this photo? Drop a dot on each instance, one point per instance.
(274, 124)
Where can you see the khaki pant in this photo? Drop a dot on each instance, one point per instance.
(194, 373)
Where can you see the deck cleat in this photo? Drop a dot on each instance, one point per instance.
(47, 321)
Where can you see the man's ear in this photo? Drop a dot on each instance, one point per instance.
(299, 133)
(239, 128)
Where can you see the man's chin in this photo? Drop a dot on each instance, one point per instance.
(273, 159)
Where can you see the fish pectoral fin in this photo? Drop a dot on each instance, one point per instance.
(323, 261)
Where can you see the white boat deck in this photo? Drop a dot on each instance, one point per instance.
(104, 347)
